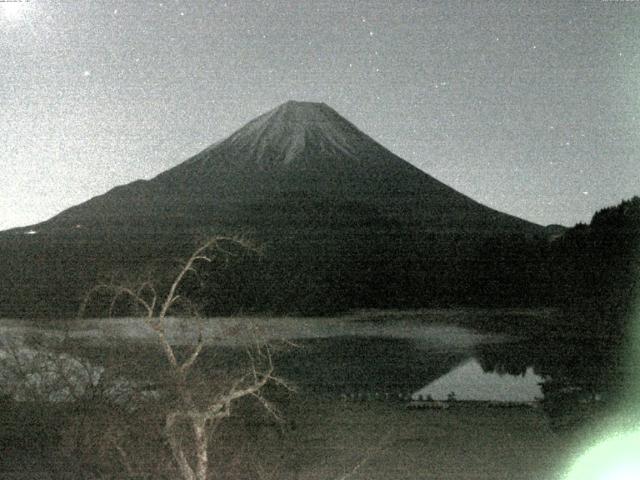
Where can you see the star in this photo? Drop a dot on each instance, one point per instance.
(86, 73)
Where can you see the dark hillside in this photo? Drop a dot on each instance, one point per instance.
(596, 268)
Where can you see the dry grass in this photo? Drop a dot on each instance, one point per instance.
(386, 441)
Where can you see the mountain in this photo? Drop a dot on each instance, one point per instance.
(298, 159)
(344, 221)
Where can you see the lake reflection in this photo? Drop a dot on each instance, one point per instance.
(470, 382)
(559, 371)
(371, 358)
(376, 365)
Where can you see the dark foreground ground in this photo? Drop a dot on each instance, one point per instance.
(334, 439)
(386, 441)
(321, 436)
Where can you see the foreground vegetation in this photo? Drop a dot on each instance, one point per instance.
(171, 425)
(104, 433)
(319, 439)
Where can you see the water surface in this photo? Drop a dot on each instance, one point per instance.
(470, 382)
(365, 355)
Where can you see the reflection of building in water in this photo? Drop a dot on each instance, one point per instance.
(469, 382)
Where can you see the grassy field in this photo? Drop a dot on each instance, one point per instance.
(376, 440)
(333, 439)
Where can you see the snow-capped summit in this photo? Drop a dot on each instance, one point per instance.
(287, 129)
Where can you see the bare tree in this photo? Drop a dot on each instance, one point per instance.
(199, 413)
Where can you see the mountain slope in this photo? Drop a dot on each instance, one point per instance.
(292, 158)
(345, 223)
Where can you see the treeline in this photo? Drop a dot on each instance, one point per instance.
(589, 270)
(595, 269)
(309, 273)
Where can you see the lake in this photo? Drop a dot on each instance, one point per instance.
(364, 355)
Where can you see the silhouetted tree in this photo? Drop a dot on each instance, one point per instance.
(194, 406)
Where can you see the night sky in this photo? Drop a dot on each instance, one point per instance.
(532, 107)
